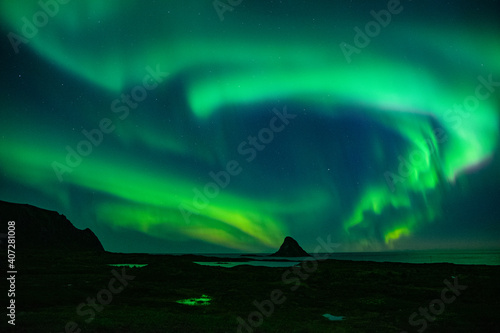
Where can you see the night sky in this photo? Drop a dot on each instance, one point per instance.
(180, 126)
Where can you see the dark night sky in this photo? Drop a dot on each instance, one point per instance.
(166, 129)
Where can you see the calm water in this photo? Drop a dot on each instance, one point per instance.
(469, 257)
(251, 263)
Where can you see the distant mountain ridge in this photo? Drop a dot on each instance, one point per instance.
(290, 248)
(41, 229)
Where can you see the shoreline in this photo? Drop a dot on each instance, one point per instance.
(370, 296)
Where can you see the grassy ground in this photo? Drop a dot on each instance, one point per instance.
(373, 297)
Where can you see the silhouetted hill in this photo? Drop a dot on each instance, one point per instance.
(290, 248)
(41, 229)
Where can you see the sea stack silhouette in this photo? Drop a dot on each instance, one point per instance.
(290, 248)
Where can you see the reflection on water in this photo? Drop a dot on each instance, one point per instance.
(128, 265)
(333, 318)
(203, 300)
(229, 264)
(459, 257)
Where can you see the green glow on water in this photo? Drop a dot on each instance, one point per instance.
(196, 301)
(129, 265)
(333, 318)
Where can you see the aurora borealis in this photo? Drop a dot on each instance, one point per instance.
(189, 147)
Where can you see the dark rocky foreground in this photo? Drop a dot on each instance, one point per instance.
(55, 291)
(64, 284)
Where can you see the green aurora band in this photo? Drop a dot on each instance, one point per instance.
(217, 80)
